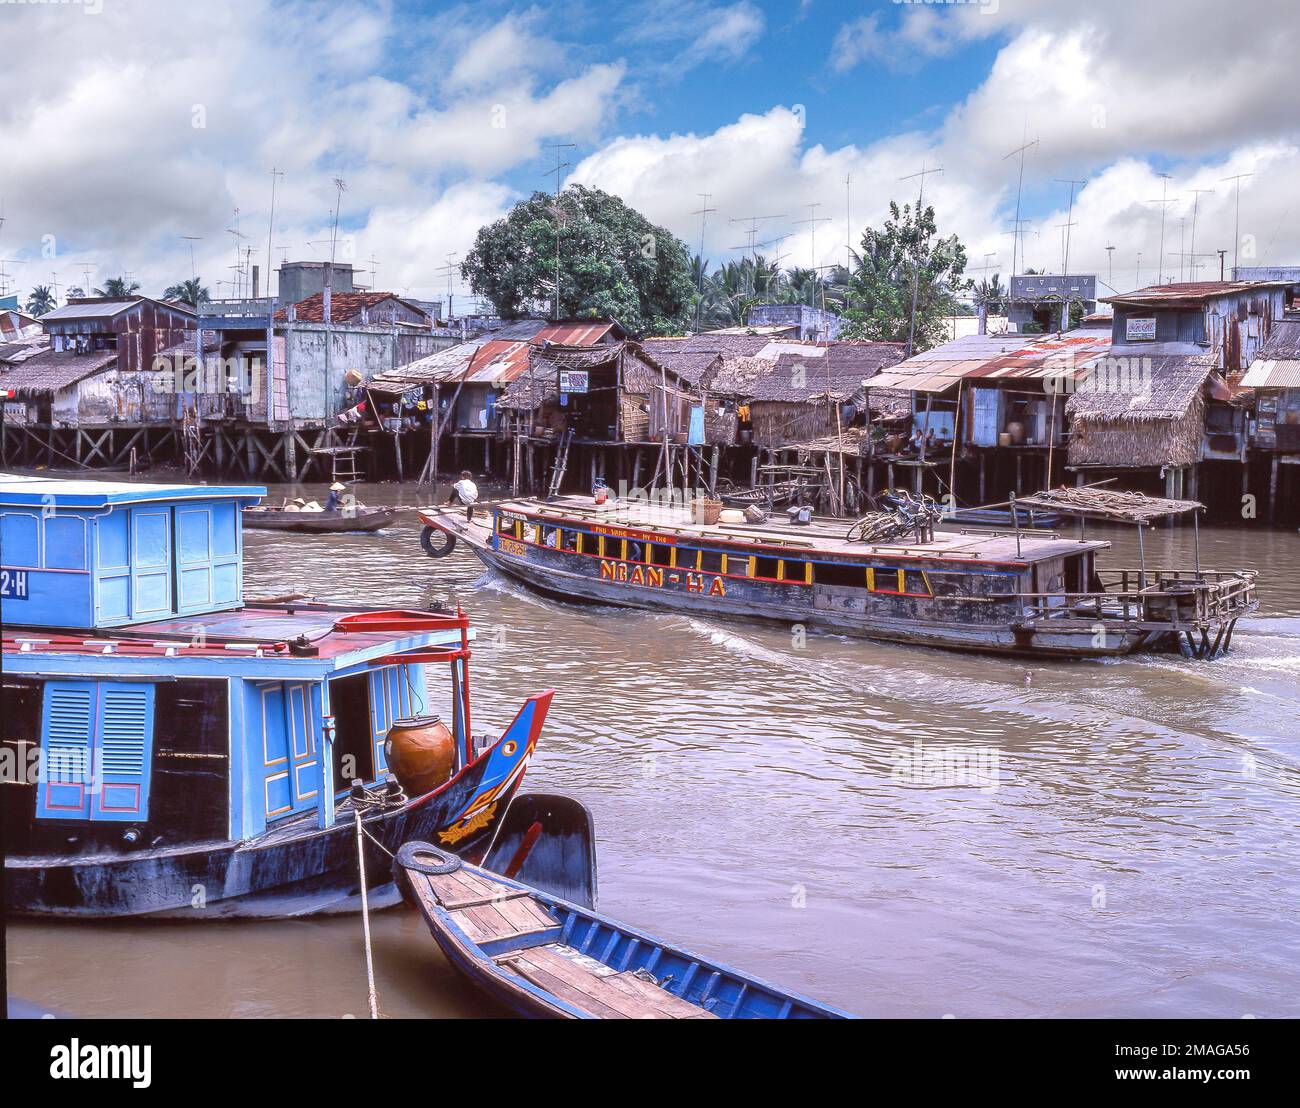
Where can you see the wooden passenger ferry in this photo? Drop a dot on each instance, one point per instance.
(174, 752)
(1014, 592)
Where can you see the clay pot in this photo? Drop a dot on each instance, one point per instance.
(1016, 431)
(421, 753)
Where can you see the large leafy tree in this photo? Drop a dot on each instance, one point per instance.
(613, 262)
(189, 292)
(118, 286)
(905, 257)
(41, 300)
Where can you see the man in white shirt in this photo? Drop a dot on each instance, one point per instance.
(465, 492)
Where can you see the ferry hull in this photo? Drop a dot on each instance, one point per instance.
(1081, 641)
(293, 870)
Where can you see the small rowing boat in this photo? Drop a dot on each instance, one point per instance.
(546, 957)
(360, 519)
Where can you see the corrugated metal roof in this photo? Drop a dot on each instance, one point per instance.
(1189, 291)
(996, 357)
(497, 362)
(575, 332)
(90, 309)
(1266, 373)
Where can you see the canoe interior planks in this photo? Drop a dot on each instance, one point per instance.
(607, 996)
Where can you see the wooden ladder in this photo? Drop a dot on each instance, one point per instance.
(561, 464)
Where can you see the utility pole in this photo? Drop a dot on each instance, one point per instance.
(1164, 201)
(557, 169)
(1222, 254)
(916, 261)
(1236, 219)
(703, 212)
(1110, 267)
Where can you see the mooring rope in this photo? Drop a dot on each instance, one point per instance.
(365, 920)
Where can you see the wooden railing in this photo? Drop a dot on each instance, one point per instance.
(1174, 599)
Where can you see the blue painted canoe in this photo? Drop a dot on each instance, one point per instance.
(546, 957)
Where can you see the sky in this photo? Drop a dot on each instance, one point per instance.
(140, 136)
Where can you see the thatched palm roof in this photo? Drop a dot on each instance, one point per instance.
(1140, 413)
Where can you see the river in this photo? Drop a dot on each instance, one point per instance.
(900, 831)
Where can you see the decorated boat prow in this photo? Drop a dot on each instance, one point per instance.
(546, 957)
(189, 755)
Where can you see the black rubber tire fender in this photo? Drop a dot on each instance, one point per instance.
(426, 858)
(433, 549)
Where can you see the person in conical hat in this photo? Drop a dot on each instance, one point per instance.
(335, 501)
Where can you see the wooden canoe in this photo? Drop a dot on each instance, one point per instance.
(273, 519)
(549, 958)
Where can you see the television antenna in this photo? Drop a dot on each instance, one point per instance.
(1065, 261)
(703, 212)
(1236, 219)
(1022, 150)
(1164, 203)
(557, 212)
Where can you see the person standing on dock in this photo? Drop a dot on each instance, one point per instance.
(465, 492)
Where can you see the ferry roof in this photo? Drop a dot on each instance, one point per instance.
(18, 490)
(253, 640)
(822, 536)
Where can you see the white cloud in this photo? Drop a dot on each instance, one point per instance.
(134, 140)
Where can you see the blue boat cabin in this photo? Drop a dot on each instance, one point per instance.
(148, 706)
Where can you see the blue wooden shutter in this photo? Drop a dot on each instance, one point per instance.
(124, 751)
(67, 727)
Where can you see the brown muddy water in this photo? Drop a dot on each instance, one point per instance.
(1113, 838)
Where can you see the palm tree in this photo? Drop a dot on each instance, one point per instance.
(41, 300)
(189, 292)
(118, 287)
(990, 293)
(76, 292)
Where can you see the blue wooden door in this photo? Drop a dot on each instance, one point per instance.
(276, 787)
(67, 740)
(984, 430)
(123, 752)
(304, 762)
(96, 751)
(151, 539)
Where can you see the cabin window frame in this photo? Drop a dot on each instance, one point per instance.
(865, 583)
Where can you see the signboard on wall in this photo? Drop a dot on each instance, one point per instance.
(574, 380)
(1140, 329)
(1053, 286)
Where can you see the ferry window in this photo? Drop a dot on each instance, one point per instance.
(634, 552)
(796, 571)
(886, 579)
(569, 540)
(661, 555)
(915, 583)
(850, 576)
(766, 567)
(507, 526)
(712, 561)
(529, 533)
(551, 537)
